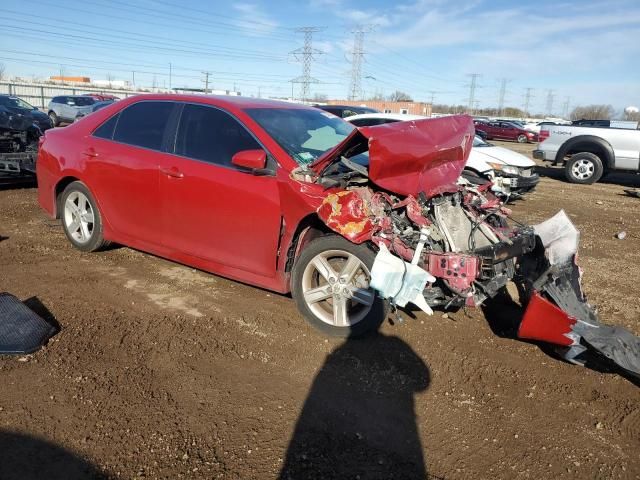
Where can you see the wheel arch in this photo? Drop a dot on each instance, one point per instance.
(590, 144)
(59, 188)
(308, 228)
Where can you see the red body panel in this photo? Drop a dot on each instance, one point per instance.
(219, 219)
(414, 156)
(545, 321)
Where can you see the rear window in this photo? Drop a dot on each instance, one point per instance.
(106, 129)
(83, 101)
(143, 124)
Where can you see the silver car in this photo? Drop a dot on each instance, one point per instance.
(65, 109)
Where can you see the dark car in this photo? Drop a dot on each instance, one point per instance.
(344, 111)
(19, 106)
(505, 131)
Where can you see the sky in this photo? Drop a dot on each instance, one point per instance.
(581, 52)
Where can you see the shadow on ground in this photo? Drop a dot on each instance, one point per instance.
(614, 178)
(24, 457)
(359, 419)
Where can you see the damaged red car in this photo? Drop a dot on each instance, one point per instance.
(353, 222)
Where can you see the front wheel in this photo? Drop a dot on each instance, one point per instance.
(522, 138)
(330, 285)
(585, 168)
(81, 220)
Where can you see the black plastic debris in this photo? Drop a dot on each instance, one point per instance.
(633, 192)
(22, 330)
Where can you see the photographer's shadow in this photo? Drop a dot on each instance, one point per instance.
(359, 420)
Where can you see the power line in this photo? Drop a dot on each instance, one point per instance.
(307, 52)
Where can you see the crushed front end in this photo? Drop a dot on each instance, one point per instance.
(447, 244)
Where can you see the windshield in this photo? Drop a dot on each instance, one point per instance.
(15, 102)
(305, 134)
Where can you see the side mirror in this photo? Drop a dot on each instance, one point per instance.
(251, 159)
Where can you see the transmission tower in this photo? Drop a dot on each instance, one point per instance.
(527, 100)
(565, 107)
(306, 55)
(472, 90)
(550, 97)
(357, 59)
(503, 91)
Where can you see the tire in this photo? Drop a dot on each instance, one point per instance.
(54, 119)
(361, 317)
(584, 168)
(522, 138)
(81, 219)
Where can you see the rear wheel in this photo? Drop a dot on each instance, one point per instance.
(522, 138)
(585, 168)
(330, 285)
(54, 119)
(80, 217)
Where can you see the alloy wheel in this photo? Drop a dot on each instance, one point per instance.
(583, 169)
(335, 287)
(79, 217)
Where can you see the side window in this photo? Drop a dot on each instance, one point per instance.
(143, 124)
(106, 129)
(211, 135)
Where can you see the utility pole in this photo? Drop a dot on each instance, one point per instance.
(476, 104)
(503, 91)
(472, 90)
(357, 59)
(433, 97)
(133, 78)
(550, 97)
(306, 55)
(527, 100)
(565, 108)
(206, 82)
(169, 75)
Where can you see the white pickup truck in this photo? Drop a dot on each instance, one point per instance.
(589, 152)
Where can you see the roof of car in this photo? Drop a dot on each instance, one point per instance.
(233, 102)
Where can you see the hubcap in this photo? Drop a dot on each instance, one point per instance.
(583, 169)
(335, 286)
(79, 217)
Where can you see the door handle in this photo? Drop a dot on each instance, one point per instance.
(172, 172)
(90, 152)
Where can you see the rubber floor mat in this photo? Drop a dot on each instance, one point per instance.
(21, 329)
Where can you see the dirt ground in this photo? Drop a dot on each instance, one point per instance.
(162, 371)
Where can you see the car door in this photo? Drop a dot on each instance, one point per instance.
(509, 131)
(124, 155)
(213, 210)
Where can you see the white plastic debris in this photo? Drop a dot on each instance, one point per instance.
(621, 235)
(400, 281)
(559, 236)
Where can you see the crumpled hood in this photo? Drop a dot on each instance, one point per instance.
(410, 157)
(503, 155)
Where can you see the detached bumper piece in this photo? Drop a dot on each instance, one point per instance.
(22, 331)
(558, 312)
(23, 163)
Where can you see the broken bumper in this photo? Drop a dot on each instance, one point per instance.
(558, 312)
(515, 183)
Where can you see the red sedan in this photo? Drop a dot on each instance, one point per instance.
(235, 186)
(501, 130)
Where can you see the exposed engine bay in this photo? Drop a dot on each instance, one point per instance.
(454, 247)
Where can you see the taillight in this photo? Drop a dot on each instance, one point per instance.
(543, 135)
